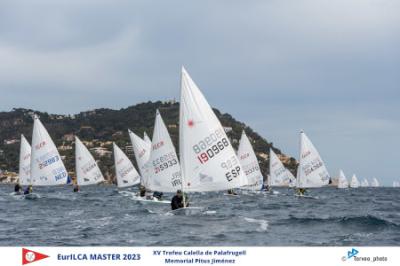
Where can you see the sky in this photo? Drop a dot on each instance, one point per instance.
(331, 68)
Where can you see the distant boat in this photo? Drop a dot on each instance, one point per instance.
(141, 149)
(208, 160)
(342, 181)
(146, 138)
(163, 169)
(312, 172)
(364, 183)
(354, 183)
(125, 172)
(25, 163)
(249, 162)
(279, 176)
(375, 182)
(396, 184)
(47, 168)
(87, 170)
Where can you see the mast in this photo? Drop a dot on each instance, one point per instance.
(181, 142)
(298, 167)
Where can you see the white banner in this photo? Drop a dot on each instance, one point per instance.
(238, 256)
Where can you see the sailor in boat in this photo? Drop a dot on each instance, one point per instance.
(28, 190)
(75, 184)
(142, 191)
(177, 200)
(266, 188)
(231, 192)
(301, 191)
(17, 189)
(158, 195)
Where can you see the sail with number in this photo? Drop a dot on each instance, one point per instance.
(374, 182)
(249, 162)
(164, 171)
(25, 163)
(141, 149)
(47, 168)
(87, 170)
(342, 180)
(311, 171)
(354, 183)
(146, 138)
(207, 158)
(125, 172)
(279, 176)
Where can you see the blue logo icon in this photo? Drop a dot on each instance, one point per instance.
(350, 254)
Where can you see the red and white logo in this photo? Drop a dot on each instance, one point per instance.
(29, 256)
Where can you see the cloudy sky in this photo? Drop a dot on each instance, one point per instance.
(329, 67)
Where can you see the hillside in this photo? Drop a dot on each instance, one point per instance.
(100, 127)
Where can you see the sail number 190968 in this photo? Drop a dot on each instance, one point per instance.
(210, 146)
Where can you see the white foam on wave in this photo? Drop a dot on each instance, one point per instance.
(263, 224)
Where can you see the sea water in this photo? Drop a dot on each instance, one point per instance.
(102, 215)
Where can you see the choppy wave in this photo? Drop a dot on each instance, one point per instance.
(102, 215)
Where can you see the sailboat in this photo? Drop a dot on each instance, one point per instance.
(364, 183)
(208, 160)
(25, 163)
(279, 176)
(311, 172)
(47, 168)
(249, 162)
(354, 183)
(396, 184)
(87, 170)
(342, 180)
(164, 171)
(146, 138)
(125, 172)
(374, 182)
(141, 149)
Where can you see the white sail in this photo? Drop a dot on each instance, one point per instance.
(25, 163)
(374, 182)
(364, 183)
(396, 184)
(87, 170)
(141, 149)
(249, 162)
(207, 158)
(164, 171)
(354, 183)
(47, 168)
(342, 180)
(279, 176)
(146, 138)
(312, 171)
(124, 170)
